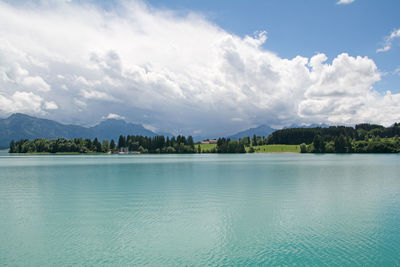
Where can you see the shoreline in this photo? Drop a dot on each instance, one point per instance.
(137, 154)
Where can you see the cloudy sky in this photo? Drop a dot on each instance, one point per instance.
(201, 67)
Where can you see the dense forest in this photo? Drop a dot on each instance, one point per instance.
(77, 145)
(344, 144)
(140, 144)
(365, 131)
(363, 138)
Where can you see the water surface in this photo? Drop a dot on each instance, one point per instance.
(173, 210)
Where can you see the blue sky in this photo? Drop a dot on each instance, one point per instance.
(311, 26)
(201, 67)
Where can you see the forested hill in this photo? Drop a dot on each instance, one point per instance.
(363, 138)
(19, 126)
(365, 131)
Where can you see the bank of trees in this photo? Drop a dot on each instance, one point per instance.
(157, 144)
(77, 145)
(130, 143)
(225, 145)
(361, 132)
(343, 144)
(363, 138)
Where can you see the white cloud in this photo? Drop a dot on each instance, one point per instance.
(342, 92)
(93, 94)
(346, 77)
(174, 72)
(24, 102)
(389, 40)
(150, 127)
(344, 2)
(397, 71)
(14, 73)
(113, 116)
(50, 105)
(36, 83)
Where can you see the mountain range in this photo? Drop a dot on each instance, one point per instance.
(20, 126)
(265, 130)
(262, 130)
(314, 125)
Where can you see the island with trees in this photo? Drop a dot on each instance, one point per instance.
(363, 138)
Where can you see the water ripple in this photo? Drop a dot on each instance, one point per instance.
(195, 210)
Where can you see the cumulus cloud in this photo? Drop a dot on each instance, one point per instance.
(37, 83)
(93, 94)
(25, 102)
(173, 72)
(389, 40)
(344, 2)
(113, 116)
(50, 105)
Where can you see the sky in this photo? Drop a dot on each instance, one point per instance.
(205, 68)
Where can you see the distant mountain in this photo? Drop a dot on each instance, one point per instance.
(20, 126)
(113, 128)
(314, 125)
(262, 130)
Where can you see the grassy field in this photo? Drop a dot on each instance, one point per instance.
(207, 148)
(275, 148)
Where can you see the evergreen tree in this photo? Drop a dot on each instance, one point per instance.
(121, 142)
(339, 144)
(88, 144)
(319, 144)
(12, 147)
(254, 140)
(112, 145)
(105, 146)
(241, 149)
(190, 141)
(97, 145)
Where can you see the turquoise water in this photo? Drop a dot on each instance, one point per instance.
(175, 210)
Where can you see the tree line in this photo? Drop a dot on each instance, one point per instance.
(361, 132)
(77, 145)
(157, 144)
(363, 138)
(344, 144)
(130, 143)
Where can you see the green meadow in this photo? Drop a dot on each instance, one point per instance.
(207, 147)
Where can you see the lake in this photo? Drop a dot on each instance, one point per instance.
(213, 209)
